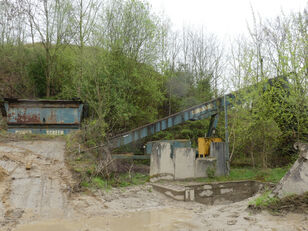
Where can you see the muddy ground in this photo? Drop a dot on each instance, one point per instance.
(41, 198)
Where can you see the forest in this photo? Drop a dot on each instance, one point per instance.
(132, 67)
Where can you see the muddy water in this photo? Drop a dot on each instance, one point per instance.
(150, 220)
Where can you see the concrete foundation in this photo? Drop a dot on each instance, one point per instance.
(211, 193)
(222, 193)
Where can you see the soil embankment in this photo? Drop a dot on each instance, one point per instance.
(36, 194)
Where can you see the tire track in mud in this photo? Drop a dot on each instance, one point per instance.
(39, 191)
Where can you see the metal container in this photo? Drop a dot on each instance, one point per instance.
(53, 117)
(204, 144)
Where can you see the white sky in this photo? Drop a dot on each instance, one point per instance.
(224, 18)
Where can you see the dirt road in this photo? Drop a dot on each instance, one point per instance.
(35, 191)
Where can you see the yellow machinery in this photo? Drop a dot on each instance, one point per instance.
(204, 145)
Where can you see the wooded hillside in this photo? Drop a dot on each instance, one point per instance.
(131, 68)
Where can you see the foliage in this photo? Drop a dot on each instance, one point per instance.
(190, 130)
(265, 175)
(121, 180)
(272, 112)
(2, 122)
(128, 65)
(277, 206)
(85, 163)
(210, 172)
(264, 200)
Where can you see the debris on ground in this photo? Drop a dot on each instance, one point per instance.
(280, 206)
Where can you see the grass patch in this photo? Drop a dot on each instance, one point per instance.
(100, 183)
(277, 206)
(6, 136)
(124, 180)
(121, 180)
(264, 200)
(84, 165)
(265, 175)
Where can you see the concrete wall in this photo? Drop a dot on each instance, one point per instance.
(161, 162)
(184, 162)
(178, 163)
(211, 193)
(218, 151)
(176, 193)
(202, 164)
(221, 193)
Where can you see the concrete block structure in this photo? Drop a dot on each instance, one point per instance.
(202, 164)
(169, 162)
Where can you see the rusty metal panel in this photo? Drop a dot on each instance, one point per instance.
(43, 116)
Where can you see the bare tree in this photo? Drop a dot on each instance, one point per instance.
(84, 21)
(51, 19)
(202, 55)
(132, 28)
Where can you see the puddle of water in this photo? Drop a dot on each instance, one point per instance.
(151, 220)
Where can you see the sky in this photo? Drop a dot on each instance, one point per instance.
(225, 18)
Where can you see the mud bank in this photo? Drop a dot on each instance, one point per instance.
(41, 198)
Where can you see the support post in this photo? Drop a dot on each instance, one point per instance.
(213, 125)
(226, 133)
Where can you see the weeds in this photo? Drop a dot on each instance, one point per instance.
(6, 136)
(265, 175)
(277, 206)
(121, 180)
(90, 168)
(264, 200)
(210, 171)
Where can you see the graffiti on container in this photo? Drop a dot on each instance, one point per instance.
(23, 131)
(55, 132)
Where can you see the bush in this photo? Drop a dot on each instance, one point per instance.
(210, 171)
(264, 200)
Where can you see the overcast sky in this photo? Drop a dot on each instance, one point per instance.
(225, 18)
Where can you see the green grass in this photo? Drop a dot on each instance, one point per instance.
(264, 200)
(100, 183)
(122, 180)
(278, 206)
(4, 136)
(265, 175)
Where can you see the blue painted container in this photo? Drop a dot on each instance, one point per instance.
(53, 117)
